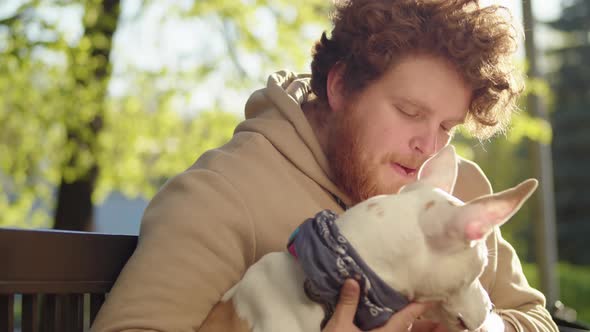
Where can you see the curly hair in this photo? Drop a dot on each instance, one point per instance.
(369, 36)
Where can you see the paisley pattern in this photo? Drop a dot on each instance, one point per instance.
(328, 259)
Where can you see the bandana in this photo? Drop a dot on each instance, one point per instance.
(328, 259)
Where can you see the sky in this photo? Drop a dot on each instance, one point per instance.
(154, 38)
(543, 9)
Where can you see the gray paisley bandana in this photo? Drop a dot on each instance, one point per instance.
(328, 259)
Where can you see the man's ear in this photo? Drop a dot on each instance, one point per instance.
(335, 87)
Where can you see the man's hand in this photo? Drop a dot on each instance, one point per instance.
(402, 321)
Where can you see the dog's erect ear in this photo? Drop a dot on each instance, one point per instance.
(477, 218)
(440, 170)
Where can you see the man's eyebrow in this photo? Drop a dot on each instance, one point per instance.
(424, 108)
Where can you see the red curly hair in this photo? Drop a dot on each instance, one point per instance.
(369, 36)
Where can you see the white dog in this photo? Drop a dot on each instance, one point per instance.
(422, 243)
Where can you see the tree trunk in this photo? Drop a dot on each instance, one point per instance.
(74, 209)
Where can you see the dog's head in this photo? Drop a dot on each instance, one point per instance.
(429, 245)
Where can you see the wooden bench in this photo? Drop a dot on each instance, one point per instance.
(57, 280)
(60, 278)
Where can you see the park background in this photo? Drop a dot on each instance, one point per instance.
(102, 101)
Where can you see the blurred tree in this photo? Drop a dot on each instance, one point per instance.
(60, 129)
(32, 103)
(285, 40)
(51, 89)
(506, 161)
(89, 66)
(571, 120)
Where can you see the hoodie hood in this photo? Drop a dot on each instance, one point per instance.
(275, 112)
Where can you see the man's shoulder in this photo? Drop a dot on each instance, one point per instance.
(245, 149)
(247, 161)
(471, 181)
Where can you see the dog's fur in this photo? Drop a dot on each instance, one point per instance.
(423, 242)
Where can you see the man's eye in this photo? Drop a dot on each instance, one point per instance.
(408, 113)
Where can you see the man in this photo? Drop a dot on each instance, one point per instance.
(386, 91)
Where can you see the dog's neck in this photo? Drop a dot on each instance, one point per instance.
(396, 222)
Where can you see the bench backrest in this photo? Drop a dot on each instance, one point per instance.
(57, 280)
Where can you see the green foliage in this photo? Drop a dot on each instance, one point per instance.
(574, 286)
(570, 77)
(506, 160)
(50, 97)
(143, 148)
(56, 121)
(143, 139)
(31, 138)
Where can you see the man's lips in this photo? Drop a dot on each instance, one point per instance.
(403, 170)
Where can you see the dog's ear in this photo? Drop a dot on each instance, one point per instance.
(477, 218)
(440, 170)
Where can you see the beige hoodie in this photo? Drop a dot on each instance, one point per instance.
(241, 201)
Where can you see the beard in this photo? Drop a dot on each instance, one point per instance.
(354, 169)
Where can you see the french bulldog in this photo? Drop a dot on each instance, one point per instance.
(422, 242)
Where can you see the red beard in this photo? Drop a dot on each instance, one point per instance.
(350, 170)
(354, 169)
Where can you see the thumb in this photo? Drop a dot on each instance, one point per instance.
(348, 301)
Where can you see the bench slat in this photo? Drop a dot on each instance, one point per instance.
(75, 312)
(7, 312)
(30, 313)
(55, 287)
(70, 262)
(59, 312)
(96, 301)
(48, 312)
(54, 273)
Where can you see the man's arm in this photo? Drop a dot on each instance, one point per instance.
(196, 241)
(520, 306)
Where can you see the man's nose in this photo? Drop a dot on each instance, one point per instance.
(425, 143)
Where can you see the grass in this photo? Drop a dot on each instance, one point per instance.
(574, 286)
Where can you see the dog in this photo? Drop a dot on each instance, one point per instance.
(422, 243)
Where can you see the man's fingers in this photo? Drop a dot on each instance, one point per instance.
(348, 301)
(406, 317)
(425, 325)
(441, 328)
